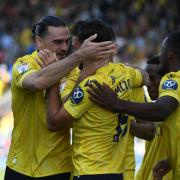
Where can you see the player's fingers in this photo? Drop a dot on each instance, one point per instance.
(96, 101)
(45, 53)
(43, 57)
(94, 90)
(48, 53)
(98, 85)
(105, 53)
(91, 38)
(51, 56)
(94, 97)
(92, 93)
(55, 57)
(48, 56)
(106, 87)
(39, 62)
(105, 44)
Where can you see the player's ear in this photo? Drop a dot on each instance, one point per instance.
(39, 42)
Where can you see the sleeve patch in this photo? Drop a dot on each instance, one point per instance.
(22, 68)
(170, 85)
(77, 95)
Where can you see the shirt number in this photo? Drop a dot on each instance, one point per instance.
(121, 128)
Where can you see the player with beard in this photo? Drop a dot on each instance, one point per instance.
(36, 152)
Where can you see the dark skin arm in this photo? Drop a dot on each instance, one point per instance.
(143, 130)
(161, 169)
(153, 111)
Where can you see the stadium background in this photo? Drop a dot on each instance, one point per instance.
(139, 25)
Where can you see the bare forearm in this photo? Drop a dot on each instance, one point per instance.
(143, 131)
(50, 74)
(155, 111)
(148, 111)
(59, 69)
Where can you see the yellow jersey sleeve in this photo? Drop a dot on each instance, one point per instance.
(136, 76)
(21, 69)
(170, 86)
(79, 103)
(68, 83)
(66, 87)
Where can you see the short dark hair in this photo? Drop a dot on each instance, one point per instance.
(86, 28)
(173, 41)
(40, 28)
(153, 60)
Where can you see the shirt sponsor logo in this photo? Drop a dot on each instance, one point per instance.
(123, 86)
(77, 95)
(22, 68)
(113, 80)
(170, 85)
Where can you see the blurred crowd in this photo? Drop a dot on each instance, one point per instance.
(139, 25)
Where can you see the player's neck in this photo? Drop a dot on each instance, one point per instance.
(97, 63)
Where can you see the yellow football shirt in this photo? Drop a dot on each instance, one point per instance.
(137, 96)
(129, 162)
(100, 136)
(154, 152)
(170, 86)
(35, 151)
(68, 82)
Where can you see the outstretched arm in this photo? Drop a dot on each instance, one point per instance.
(153, 111)
(49, 75)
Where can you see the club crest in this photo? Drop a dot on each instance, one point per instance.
(77, 95)
(170, 85)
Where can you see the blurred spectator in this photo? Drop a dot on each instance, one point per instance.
(139, 25)
(4, 78)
